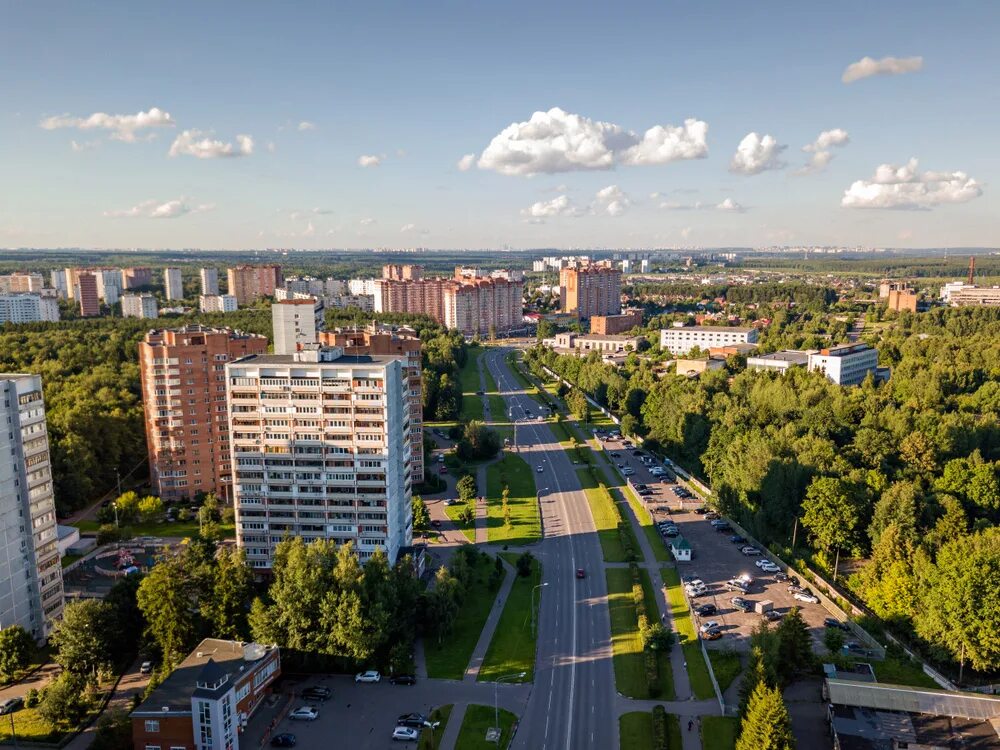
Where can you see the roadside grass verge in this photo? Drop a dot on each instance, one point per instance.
(635, 731)
(718, 732)
(626, 643)
(449, 658)
(662, 657)
(469, 382)
(726, 665)
(513, 646)
(701, 683)
(602, 508)
(478, 719)
(674, 738)
(468, 530)
(430, 739)
(660, 551)
(525, 523)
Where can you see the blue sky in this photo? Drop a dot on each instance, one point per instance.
(418, 86)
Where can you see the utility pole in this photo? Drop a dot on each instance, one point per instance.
(496, 699)
(795, 533)
(13, 733)
(534, 617)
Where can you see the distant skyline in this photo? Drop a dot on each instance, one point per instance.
(453, 125)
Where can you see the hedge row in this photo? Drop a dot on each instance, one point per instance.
(660, 741)
(650, 662)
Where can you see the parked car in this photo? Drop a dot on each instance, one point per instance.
(706, 610)
(316, 694)
(734, 583)
(832, 622)
(711, 516)
(769, 567)
(740, 603)
(805, 596)
(749, 551)
(710, 625)
(711, 635)
(795, 589)
(638, 485)
(702, 510)
(723, 528)
(305, 713)
(671, 532)
(415, 721)
(370, 676)
(644, 493)
(11, 705)
(146, 667)
(285, 739)
(615, 454)
(772, 615)
(403, 679)
(628, 472)
(737, 539)
(443, 470)
(716, 522)
(405, 734)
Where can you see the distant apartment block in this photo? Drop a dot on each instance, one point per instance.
(109, 284)
(250, 283)
(402, 272)
(174, 283)
(681, 340)
(364, 286)
(590, 289)
(781, 361)
(363, 302)
(85, 292)
(57, 278)
(609, 325)
(28, 308)
(321, 450)
(134, 278)
(209, 281)
(21, 282)
(139, 306)
(379, 339)
(296, 322)
(846, 364)
(183, 379)
(32, 594)
(975, 296)
(217, 303)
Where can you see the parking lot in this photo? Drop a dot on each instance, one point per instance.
(715, 559)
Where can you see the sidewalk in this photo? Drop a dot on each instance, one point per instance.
(479, 654)
(450, 736)
(132, 683)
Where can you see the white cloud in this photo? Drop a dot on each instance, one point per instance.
(271, 148)
(202, 146)
(731, 206)
(407, 227)
(611, 201)
(79, 146)
(153, 209)
(366, 222)
(306, 125)
(559, 141)
(907, 188)
(558, 206)
(820, 149)
(122, 127)
(757, 153)
(728, 205)
(369, 160)
(466, 162)
(887, 66)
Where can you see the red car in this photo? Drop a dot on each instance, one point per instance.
(580, 573)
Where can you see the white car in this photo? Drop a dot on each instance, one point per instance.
(750, 551)
(539, 469)
(805, 596)
(628, 472)
(768, 567)
(710, 625)
(306, 713)
(405, 734)
(370, 676)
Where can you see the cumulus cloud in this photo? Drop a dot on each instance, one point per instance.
(820, 149)
(122, 127)
(611, 201)
(867, 67)
(306, 125)
(757, 153)
(466, 162)
(202, 146)
(559, 141)
(906, 187)
(153, 209)
(731, 206)
(369, 160)
(558, 206)
(407, 227)
(728, 205)
(79, 146)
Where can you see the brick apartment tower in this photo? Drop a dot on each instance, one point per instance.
(250, 283)
(589, 290)
(86, 294)
(184, 396)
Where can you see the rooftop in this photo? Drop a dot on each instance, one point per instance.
(297, 359)
(713, 329)
(788, 355)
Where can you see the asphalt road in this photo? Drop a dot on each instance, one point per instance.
(572, 703)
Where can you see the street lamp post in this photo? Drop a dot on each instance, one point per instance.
(13, 733)
(496, 699)
(533, 616)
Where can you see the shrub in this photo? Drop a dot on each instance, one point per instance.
(660, 728)
(31, 698)
(109, 534)
(658, 638)
(524, 564)
(652, 673)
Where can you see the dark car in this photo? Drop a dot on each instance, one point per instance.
(11, 705)
(711, 635)
(637, 453)
(740, 603)
(580, 573)
(414, 721)
(285, 739)
(830, 622)
(772, 615)
(639, 486)
(721, 527)
(403, 679)
(645, 492)
(317, 693)
(706, 610)
(737, 539)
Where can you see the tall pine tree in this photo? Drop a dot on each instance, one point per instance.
(766, 725)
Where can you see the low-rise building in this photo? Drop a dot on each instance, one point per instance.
(846, 364)
(902, 299)
(746, 350)
(139, 306)
(691, 368)
(609, 325)
(205, 703)
(682, 339)
(583, 343)
(680, 548)
(218, 303)
(778, 361)
(975, 296)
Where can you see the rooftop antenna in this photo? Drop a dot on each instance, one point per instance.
(972, 269)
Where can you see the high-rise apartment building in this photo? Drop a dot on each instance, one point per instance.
(21, 282)
(184, 396)
(28, 308)
(590, 289)
(85, 292)
(32, 591)
(209, 281)
(402, 272)
(139, 306)
(57, 277)
(295, 322)
(109, 284)
(250, 283)
(381, 339)
(217, 303)
(174, 283)
(321, 450)
(133, 278)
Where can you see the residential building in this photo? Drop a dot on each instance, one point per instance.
(383, 339)
(21, 282)
(206, 701)
(483, 305)
(296, 322)
(109, 284)
(334, 287)
(182, 372)
(584, 343)
(975, 296)
(136, 278)
(174, 283)
(28, 308)
(70, 274)
(85, 292)
(209, 281)
(846, 364)
(250, 283)
(682, 339)
(217, 303)
(321, 450)
(32, 591)
(364, 286)
(590, 289)
(424, 296)
(781, 361)
(365, 302)
(57, 277)
(402, 272)
(139, 306)
(609, 325)
(692, 368)
(745, 350)
(902, 299)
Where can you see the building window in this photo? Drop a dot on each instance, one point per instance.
(152, 725)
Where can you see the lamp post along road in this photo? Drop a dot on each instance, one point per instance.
(496, 700)
(533, 616)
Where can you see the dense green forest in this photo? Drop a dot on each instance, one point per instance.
(93, 398)
(905, 476)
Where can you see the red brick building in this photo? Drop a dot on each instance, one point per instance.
(590, 289)
(609, 325)
(86, 294)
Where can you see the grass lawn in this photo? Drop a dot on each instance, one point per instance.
(449, 658)
(477, 720)
(635, 731)
(513, 647)
(430, 739)
(525, 524)
(36, 658)
(31, 727)
(179, 528)
(726, 665)
(602, 508)
(662, 657)
(452, 512)
(468, 381)
(674, 738)
(718, 732)
(69, 558)
(660, 551)
(899, 669)
(626, 643)
(701, 683)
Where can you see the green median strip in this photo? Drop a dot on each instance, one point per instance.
(662, 657)
(478, 719)
(453, 511)
(525, 524)
(701, 683)
(513, 647)
(430, 739)
(602, 508)
(660, 550)
(626, 643)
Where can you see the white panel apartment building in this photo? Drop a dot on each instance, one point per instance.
(681, 340)
(218, 303)
(174, 283)
(320, 446)
(295, 323)
(32, 591)
(209, 280)
(28, 308)
(139, 306)
(846, 364)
